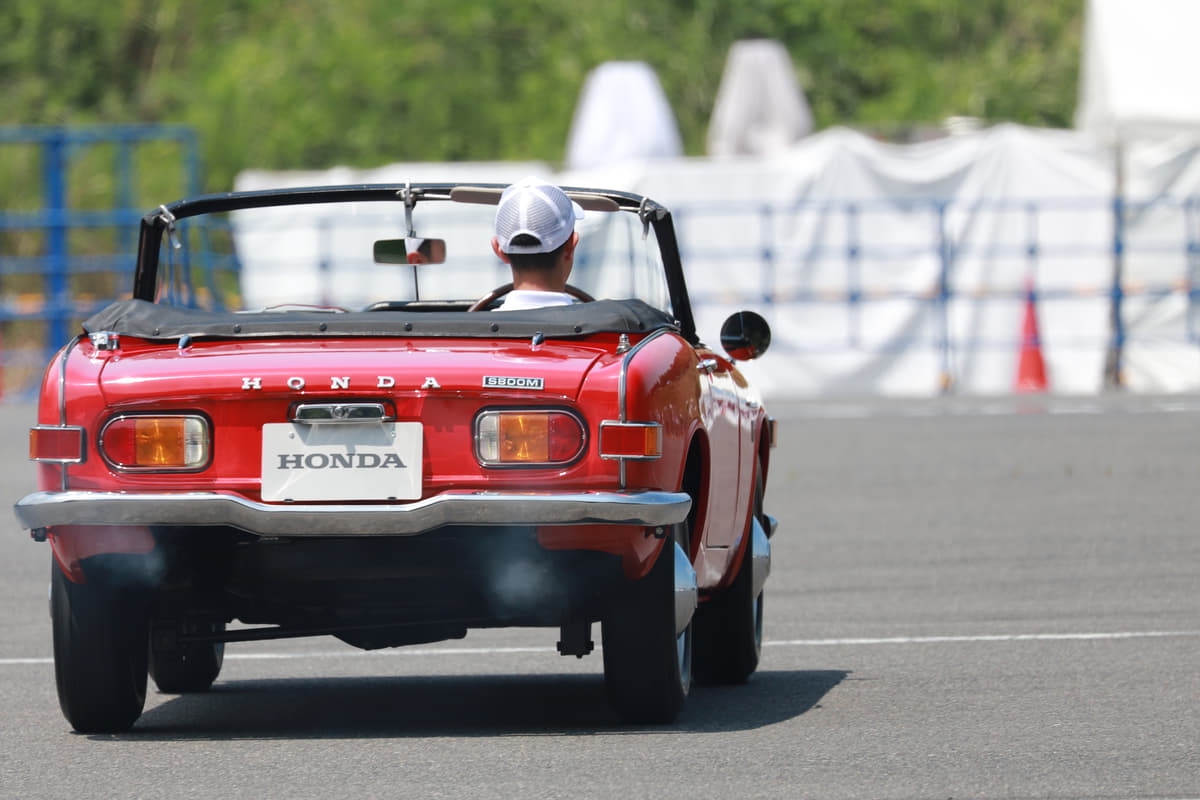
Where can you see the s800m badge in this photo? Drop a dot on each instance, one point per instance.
(505, 382)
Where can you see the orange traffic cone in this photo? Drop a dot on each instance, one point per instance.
(1031, 368)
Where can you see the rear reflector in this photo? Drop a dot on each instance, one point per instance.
(631, 440)
(156, 442)
(58, 444)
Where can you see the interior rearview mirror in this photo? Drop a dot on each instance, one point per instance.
(410, 250)
(745, 335)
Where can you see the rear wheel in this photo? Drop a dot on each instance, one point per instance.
(647, 659)
(101, 646)
(188, 668)
(729, 625)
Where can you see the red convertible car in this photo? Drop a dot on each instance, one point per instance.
(310, 419)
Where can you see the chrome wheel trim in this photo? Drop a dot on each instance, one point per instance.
(683, 654)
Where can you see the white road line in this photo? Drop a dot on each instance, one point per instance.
(998, 637)
(477, 651)
(978, 407)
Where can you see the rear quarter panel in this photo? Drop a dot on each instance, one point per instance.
(664, 384)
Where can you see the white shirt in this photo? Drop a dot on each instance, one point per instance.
(521, 299)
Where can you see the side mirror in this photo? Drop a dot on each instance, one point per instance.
(745, 336)
(412, 250)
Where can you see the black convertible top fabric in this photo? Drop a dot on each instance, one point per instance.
(154, 321)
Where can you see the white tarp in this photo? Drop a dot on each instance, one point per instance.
(856, 232)
(1139, 69)
(902, 269)
(622, 114)
(760, 108)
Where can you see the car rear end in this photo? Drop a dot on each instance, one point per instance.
(352, 482)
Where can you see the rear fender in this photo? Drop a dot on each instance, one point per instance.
(638, 547)
(746, 542)
(661, 387)
(73, 544)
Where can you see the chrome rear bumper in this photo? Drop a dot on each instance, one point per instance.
(651, 509)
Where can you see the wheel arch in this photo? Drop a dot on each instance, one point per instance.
(693, 478)
(764, 442)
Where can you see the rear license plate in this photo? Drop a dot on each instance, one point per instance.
(352, 461)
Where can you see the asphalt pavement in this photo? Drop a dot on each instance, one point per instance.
(970, 598)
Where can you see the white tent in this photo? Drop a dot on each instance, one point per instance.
(1139, 70)
(622, 114)
(760, 108)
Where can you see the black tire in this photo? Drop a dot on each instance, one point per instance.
(647, 668)
(729, 625)
(101, 647)
(188, 668)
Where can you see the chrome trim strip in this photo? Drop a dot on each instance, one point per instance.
(621, 379)
(625, 370)
(62, 396)
(46, 509)
(62, 380)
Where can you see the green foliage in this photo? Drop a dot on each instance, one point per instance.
(317, 83)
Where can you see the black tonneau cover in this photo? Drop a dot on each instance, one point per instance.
(154, 321)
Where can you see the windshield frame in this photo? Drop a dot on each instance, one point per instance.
(162, 221)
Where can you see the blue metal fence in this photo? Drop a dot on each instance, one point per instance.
(43, 205)
(750, 255)
(1031, 256)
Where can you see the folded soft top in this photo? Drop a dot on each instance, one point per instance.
(155, 321)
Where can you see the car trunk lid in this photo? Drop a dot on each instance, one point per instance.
(347, 368)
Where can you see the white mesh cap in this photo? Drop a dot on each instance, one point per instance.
(538, 209)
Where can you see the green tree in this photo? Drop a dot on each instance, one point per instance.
(316, 83)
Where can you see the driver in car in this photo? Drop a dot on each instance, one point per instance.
(535, 236)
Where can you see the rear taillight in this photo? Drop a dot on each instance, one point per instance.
(506, 438)
(630, 440)
(166, 442)
(56, 444)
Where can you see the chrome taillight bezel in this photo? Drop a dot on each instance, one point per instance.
(206, 429)
(484, 415)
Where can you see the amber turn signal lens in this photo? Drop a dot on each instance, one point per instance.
(515, 438)
(61, 445)
(145, 442)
